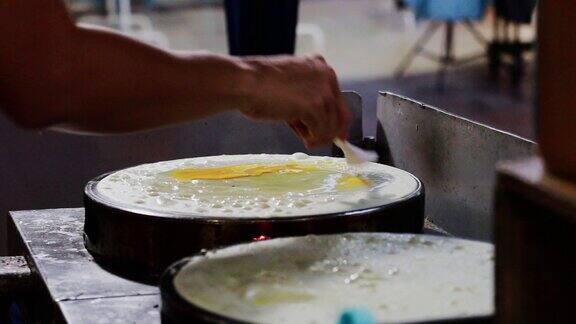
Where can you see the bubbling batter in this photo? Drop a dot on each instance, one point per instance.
(257, 186)
(312, 279)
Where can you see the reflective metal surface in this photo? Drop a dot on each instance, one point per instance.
(454, 157)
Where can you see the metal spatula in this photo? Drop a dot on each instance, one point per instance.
(354, 154)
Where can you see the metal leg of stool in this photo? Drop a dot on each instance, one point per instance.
(448, 57)
(474, 32)
(416, 49)
(494, 50)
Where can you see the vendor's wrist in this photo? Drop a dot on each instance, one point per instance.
(247, 88)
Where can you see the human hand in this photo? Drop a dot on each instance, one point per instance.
(302, 91)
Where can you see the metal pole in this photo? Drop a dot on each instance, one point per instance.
(416, 49)
(447, 58)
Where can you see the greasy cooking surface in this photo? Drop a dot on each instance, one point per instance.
(257, 186)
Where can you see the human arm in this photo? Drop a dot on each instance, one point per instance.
(80, 79)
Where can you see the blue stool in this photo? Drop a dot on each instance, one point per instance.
(448, 10)
(447, 13)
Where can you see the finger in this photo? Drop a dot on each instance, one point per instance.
(304, 136)
(311, 143)
(295, 130)
(300, 129)
(315, 130)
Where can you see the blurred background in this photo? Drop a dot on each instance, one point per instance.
(473, 57)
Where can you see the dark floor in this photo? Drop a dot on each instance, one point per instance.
(469, 92)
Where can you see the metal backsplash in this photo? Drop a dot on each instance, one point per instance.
(454, 157)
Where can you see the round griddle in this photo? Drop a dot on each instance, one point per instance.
(175, 309)
(140, 243)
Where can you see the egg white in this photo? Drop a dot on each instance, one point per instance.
(149, 186)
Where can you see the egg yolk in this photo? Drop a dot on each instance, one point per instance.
(274, 177)
(238, 171)
(351, 182)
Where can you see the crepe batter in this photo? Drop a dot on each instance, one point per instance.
(398, 277)
(259, 185)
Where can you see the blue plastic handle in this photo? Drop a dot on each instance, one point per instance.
(357, 316)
